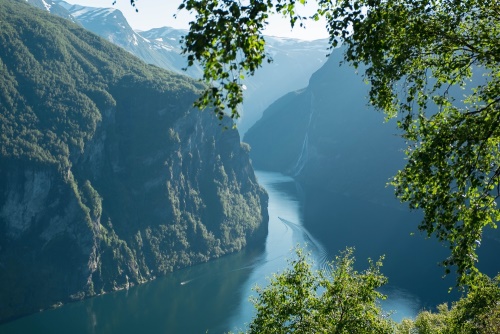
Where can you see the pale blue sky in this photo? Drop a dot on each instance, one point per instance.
(159, 13)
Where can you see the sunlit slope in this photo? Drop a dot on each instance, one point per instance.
(108, 178)
(293, 60)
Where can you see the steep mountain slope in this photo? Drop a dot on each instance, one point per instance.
(294, 60)
(110, 24)
(55, 8)
(343, 154)
(108, 178)
(326, 135)
(293, 63)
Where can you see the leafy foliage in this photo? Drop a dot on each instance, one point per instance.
(343, 300)
(432, 64)
(300, 300)
(477, 312)
(234, 45)
(226, 39)
(428, 50)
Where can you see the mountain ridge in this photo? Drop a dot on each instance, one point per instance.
(327, 121)
(294, 60)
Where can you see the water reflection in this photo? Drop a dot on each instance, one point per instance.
(205, 301)
(308, 224)
(214, 296)
(210, 297)
(281, 239)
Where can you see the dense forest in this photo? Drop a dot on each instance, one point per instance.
(108, 177)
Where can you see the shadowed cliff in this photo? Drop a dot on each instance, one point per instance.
(108, 178)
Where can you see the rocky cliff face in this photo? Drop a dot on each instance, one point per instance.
(107, 177)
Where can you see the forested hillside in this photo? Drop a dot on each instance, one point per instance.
(108, 178)
(293, 60)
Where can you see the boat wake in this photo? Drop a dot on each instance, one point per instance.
(318, 251)
(249, 266)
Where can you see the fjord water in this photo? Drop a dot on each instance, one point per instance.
(214, 296)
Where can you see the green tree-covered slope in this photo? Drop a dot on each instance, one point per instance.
(108, 178)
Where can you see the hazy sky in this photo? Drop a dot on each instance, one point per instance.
(159, 13)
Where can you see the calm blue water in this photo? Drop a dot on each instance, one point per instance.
(211, 296)
(214, 296)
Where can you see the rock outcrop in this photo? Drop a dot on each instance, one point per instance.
(108, 178)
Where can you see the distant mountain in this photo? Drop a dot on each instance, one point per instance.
(294, 60)
(293, 63)
(342, 154)
(110, 24)
(326, 135)
(108, 178)
(55, 8)
(165, 42)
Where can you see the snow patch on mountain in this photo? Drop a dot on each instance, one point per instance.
(47, 6)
